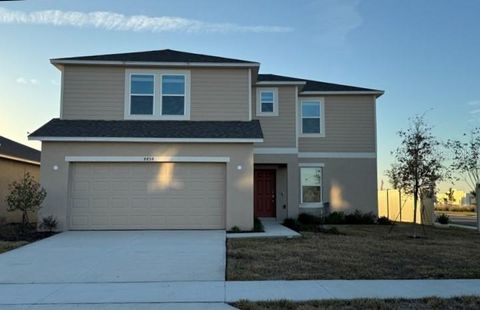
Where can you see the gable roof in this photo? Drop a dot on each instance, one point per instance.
(317, 86)
(165, 56)
(135, 130)
(16, 151)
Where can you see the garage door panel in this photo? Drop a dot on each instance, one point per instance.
(147, 196)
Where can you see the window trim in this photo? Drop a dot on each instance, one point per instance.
(311, 204)
(157, 92)
(274, 90)
(321, 101)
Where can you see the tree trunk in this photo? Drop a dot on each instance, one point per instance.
(415, 201)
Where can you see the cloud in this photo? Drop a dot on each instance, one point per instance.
(476, 111)
(54, 82)
(21, 80)
(473, 103)
(335, 20)
(25, 81)
(120, 22)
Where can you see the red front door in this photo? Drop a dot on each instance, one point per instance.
(264, 193)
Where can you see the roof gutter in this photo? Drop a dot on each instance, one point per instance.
(57, 62)
(127, 139)
(377, 93)
(33, 162)
(263, 83)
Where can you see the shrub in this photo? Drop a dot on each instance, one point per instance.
(25, 195)
(383, 220)
(309, 219)
(335, 218)
(291, 223)
(235, 229)
(358, 217)
(49, 223)
(257, 225)
(443, 219)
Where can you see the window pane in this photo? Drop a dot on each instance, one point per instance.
(311, 125)
(311, 176)
(141, 105)
(142, 84)
(173, 105)
(311, 194)
(173, 84)
(267, 107)
(267, 96)
(311, 108)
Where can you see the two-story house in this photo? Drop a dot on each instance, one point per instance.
(173, 140)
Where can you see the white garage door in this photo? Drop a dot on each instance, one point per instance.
(147, 196)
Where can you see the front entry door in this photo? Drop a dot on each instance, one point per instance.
(264, 193)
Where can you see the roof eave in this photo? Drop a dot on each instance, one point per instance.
(133, 139)
(265, 83)
(377, 93)
(57, 62)
(23, 160)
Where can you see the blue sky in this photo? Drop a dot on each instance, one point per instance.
(424, 54)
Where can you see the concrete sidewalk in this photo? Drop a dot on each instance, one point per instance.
(220, 291)
(272, 229)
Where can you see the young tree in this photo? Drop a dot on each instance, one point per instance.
(466, 157)
(450, 195)
(418, 163)
(25, 195)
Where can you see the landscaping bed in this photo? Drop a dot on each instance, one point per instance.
(424, 303)
(357, 252)
(13, 236)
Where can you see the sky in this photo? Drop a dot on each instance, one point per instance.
(423, 54)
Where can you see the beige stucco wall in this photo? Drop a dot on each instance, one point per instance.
(349, 126)
(98, 92)
(12, 170)
(278, 131)
(239, 183)
(348, 183)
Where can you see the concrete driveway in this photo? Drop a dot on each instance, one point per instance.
(118, 256)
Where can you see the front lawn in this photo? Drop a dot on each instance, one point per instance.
(424, 303)
(10, 245)
(358, 252)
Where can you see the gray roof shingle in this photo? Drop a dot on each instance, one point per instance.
(165, 55)
(14, 149)
(151, 129)
(312, 85)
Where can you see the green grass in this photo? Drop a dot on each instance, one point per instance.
(10, 245)
(465, 303)
(358, 252)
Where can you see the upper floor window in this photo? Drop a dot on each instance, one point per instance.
(312, 117)
(267, 102)
(141, 94)
(173, 94)
(157, 94)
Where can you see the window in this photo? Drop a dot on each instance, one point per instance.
(173, 94)
(141, 94)
(267, 102)
(311, 182)
(154, 94)
(311, 112)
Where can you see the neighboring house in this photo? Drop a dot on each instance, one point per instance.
(173, 140)
(15, 160)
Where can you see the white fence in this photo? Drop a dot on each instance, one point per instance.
(398, 206)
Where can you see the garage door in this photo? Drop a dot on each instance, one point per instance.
(147, 196)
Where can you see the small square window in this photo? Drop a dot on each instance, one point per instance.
(267, 102)
(311, 117)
